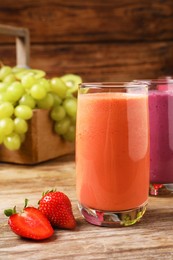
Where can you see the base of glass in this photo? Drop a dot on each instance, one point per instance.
(111, 218)
(157, 189)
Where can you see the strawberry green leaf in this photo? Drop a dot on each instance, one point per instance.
(9, 212)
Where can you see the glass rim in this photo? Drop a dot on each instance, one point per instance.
(116, 84)
(168, 80)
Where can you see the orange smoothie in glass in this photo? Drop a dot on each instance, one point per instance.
(112, 151)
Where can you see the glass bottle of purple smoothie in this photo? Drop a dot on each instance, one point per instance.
(161, 136)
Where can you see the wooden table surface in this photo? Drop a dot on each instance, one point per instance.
(152, 238)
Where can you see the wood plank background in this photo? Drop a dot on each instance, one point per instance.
(97, 39)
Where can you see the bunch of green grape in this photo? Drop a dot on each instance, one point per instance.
(24, 89)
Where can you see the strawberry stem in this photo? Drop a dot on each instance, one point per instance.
(9, 212)
(26, 203)
(45, 193)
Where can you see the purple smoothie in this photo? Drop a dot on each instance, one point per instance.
(161, 136)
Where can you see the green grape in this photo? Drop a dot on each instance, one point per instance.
(9, 78)
(62, 126)
(57, 99)
(70, 134)
(5, 97)
(73, 120)
(4, 71)
(57, 113)
(72, 81)
(1, 138)
(22, 137)
(32, 72)
(38, 74)
(6, 126)
(44, 83)
(68, 95)
(12, 142)
(27, 100)
(23, 112)
(58, 86)
(18, 69)
(6, 109)
(28, 81)
(38, 92)
(14, 92)
(20, 126)
(3, 86)
(70, 105)
(47, 102)
(2, 97)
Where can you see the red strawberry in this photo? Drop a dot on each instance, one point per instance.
(30, 223)
(57, 208)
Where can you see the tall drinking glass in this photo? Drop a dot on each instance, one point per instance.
(112, 152)
(161, 136)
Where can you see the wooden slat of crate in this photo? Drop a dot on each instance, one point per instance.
(22, 43)
(41, 143)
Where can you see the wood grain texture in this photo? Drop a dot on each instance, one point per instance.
(41, 142)
(99, 40)
(99, 62)
(150, 239)
(91, 21)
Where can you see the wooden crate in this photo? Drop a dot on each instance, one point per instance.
(41, 142)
